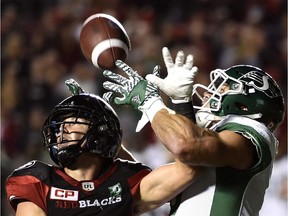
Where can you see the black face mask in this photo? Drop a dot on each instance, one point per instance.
(65, 156)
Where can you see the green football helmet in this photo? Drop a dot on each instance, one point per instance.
(240, 90)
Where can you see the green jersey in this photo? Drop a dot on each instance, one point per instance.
(224, 191)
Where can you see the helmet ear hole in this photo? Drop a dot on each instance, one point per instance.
(91, 144)
(271, 126)
(242, 107)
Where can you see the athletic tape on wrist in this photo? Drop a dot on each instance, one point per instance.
(185, 109)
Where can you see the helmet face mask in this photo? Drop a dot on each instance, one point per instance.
(103, 136)
(241, 90)
(58, 122)
(219, 79)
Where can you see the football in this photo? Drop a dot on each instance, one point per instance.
(103, 40)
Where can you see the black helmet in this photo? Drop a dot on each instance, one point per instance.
(103, 136)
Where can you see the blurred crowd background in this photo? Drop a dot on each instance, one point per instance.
(40, 50)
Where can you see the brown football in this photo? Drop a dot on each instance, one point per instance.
(103, 40)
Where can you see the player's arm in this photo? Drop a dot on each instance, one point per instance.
(190, 143)
(163, 184)
(167, 181)
(27, 208)
(198, 146)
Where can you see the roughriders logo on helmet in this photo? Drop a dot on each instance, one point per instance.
(261, 82)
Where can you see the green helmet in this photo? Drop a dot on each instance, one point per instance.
(240, 90)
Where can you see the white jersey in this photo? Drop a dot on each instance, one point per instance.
(224, 191)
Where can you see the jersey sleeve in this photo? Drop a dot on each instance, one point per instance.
(264, 141)
(22, 186)
(135, 181)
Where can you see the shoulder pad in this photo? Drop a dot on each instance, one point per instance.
(131, 165)
(34, 168)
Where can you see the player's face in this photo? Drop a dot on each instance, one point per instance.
(70, 132)
(224, 88)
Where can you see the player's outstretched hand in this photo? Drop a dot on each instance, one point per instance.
(134, 90)
(74, 87)
(178, 84)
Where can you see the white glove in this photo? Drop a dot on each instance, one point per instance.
(178, 84)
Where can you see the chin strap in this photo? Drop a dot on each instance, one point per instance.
(254, 116)
(67, 155)
(205, 118)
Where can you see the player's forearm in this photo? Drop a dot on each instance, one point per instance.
(29, 209)
(178, 134)
(163, 184)
(193, 145)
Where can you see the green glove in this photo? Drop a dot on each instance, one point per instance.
(74, 87)
(135, 90)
